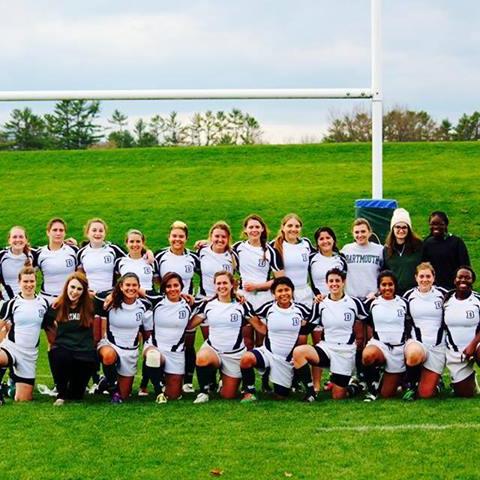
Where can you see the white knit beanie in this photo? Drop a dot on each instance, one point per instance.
(400, 215)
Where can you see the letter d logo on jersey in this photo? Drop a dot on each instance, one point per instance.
(69, 262)
(296, 321)
(234, 317)
(139, 316)
(347, 317)
(182, 314)
(470, 314)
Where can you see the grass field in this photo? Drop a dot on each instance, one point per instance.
(150, 188)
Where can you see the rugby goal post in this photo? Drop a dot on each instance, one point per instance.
(374, 93)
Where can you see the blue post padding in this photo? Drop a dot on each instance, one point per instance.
(376, 203)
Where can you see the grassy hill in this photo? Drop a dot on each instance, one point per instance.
(150, 188)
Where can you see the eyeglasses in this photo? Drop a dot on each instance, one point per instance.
(401, 227)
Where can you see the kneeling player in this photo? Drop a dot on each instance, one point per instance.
(284, 319)
(337, 314)
(22, 318)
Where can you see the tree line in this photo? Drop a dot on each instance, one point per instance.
(73, 124)
(402, 125)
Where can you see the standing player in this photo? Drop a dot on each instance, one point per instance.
(444, 251)
(295, 252)
(164, 350)
(56, 261)
(284, 319)
(387, 318)
(224, 346)
(425, 350)
(257, 261)
(462, 325)
(403, 250)
(122, 322)
(337, 315)
(136, 262)
(13, 259)
(176, 258)
(21, 319)
(97, 258)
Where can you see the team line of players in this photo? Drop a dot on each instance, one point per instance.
(279, 310)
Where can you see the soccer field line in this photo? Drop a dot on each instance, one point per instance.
(400, 427)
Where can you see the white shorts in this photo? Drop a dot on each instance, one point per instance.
(459, 368)
(257, 299)
(174, 361)
(281, 370)
(304, 295)
(342, 357)
(24, 361)
(394, 356)
(229, 362)
(127, 359)
(435, 356)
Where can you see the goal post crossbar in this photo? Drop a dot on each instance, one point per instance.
(188, 94)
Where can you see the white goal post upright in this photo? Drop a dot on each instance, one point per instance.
(374, 93)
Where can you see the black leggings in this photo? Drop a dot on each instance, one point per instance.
(71, 374)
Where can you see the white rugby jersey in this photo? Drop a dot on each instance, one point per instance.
(254, 263)
(426, 312)
(56, 266)
(283, 326)
(170, 320)
(319, 266)
(10, 265)
(144, 271)
(99, 264)
(225, 322)
(462, 320)
(210, 264)
(388, 319)
(27, 317)
(125, 323)
(185, 265)
(364, 264)
(337, 318)
(296, 260)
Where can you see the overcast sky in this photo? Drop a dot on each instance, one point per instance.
(431, 54)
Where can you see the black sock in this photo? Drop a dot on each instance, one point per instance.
(3, 370)
(155, 374)
(145, 376)
(265, 380)
(248, 379)
(110, 372)
(190, 357)
(305, 376)
(413, 376)
(359, 365)
(372, 377)
(205, 376)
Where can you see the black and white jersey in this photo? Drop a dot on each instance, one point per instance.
(225, 322)
(125, 323)
(184, 265)
(56, 266)
(170, 321)
(144, 270)
(296, 260)
(364, 264)
(254, 263)
(27, 318)
(388, 318)
(99, 264)
(210, 264)
(318, 268)
(462, 320)
(10, 266)
(426, 312)
(283, 326)
(337, 317)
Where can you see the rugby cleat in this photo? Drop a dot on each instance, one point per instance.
(116, 399)
(202, 398)
(188, 388)
(248, 398)
(161, 398)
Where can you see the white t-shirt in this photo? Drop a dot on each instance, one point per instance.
(319, 266)
(296, 261)
(10, 266)
(144, 271)
(210, 264)
(364, 264)
(184, 265)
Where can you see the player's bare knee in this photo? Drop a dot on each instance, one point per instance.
(248, 360)
(109, 356)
